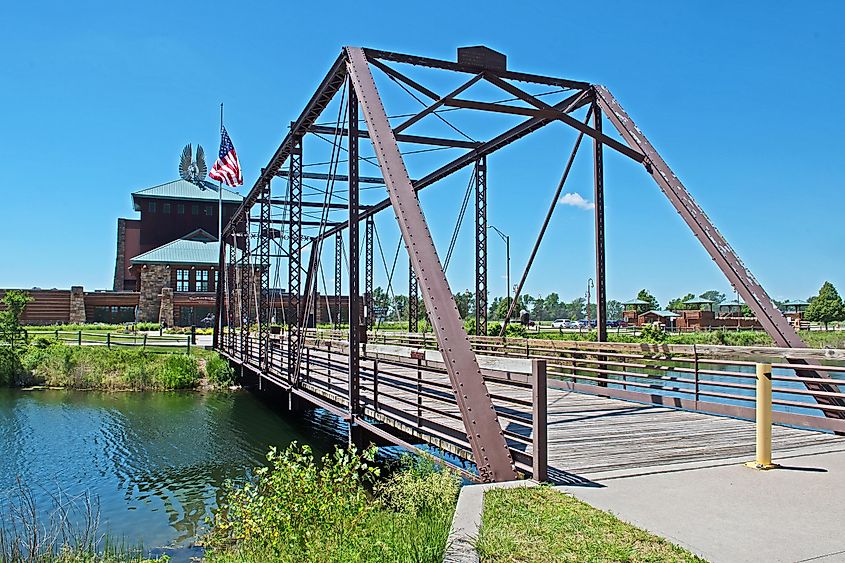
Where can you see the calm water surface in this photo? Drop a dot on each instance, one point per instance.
(154, 461)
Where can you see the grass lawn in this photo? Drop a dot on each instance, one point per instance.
(539, 524)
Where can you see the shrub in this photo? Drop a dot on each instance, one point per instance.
(420, 487)
(295, 505)
(653, 334)
(219, 371)
(10, 366)
(178, 372)
(515, 330)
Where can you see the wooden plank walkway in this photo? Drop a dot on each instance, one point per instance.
(589, 437)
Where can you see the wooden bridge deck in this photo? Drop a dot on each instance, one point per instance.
(598, 437)
(589, 437)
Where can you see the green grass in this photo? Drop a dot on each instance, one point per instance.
(539, 524)
(337, 509)
(814, 339)
(118, 369)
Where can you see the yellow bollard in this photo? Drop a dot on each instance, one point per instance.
(764, 419)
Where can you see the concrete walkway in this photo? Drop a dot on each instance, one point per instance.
(733, 513)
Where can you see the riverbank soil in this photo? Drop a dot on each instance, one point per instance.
(539, 524)
(734, 513)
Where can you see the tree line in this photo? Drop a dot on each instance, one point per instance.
(825, 307)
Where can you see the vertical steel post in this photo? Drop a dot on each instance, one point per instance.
(601, 291)
(354, 271)
(481, 423)
(481, 246)
(369, 303)
(539, 417)
(264, 275)
(413, 301)
(245, 286)
(338, 279)
(294, 256)
(231, 290)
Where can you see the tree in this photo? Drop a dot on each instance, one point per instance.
(653, 304)
(614, 310)
(679, 303)
(462, 300)
(11, 332)
(713, 295)
(826, 307)
(575, 308)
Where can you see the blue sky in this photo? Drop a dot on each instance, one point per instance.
(743, 101)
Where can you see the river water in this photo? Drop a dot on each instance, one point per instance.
(154, 462)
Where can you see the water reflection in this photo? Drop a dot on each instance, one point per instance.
(155, 461)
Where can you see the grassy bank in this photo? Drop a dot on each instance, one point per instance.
(95, 367)
(540, 524)
(338, 509)
(814, 339)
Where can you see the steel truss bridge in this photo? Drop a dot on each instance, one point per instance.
(488, 408)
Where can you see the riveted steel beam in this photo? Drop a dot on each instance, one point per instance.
(769, 316)
(598, 198)
(490, 450)
(413, 300)
(481, 246)
(515, 133)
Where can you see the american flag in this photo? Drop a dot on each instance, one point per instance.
(226, 168)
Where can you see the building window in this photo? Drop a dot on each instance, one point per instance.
(165, 208)
(202, 280)
(113, 314)
(151, 207)
(180, 208)
(183, 280)
(209, 210)
(195, 209)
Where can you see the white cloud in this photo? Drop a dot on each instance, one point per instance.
(575, 200)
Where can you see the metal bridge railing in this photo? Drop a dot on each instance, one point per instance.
(406, 391)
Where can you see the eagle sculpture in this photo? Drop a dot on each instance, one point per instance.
(193, 171)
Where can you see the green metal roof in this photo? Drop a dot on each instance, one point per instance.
(182, 189)
(635, 302)
(699, 301)
(796, 303)
(198, 248)
(666, 314)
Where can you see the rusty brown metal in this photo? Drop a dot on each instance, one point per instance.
(714, 243)
(539, 420)
(552, 206)
(598, 200)
(489, 448)
(570, 104)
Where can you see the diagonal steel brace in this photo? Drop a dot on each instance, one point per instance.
(483, 429)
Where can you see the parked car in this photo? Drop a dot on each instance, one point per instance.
(571, 324)
(560, 323)
(613, 324)
(207, 321)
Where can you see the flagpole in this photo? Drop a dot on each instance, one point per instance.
(220, 192)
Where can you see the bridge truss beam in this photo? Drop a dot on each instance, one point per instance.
(353, 65)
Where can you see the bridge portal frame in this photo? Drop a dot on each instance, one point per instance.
(353, 64)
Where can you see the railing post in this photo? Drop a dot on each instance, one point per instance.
(79, 338)
(764, 419)
(108, 340)
(193, 334)
(189, 344)
(145, 341)
(375, 385)
(695, 356)
(539, 420)
(419, 392)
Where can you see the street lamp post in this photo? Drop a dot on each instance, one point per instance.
(507, 240)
